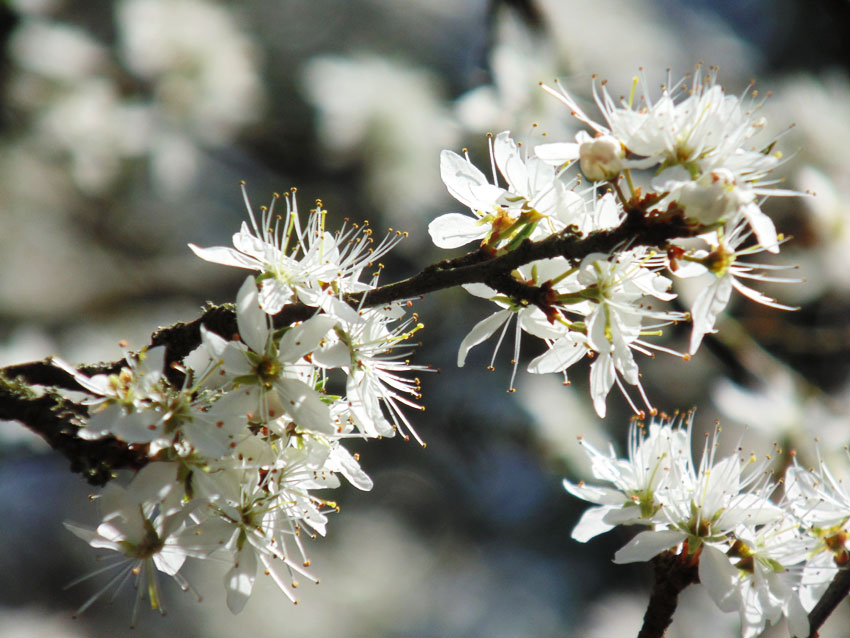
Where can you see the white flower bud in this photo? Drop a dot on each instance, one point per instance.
(601, 158)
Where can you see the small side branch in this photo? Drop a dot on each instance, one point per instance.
(672, 576)
(835, 593)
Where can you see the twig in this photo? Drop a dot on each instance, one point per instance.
(835, 593)
(672, 576)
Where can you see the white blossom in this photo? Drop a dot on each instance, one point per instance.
(295, 263)
(535, 203)
(721, 260)
(706, 146)
(267, 372)
(655, 463)
(147, 541)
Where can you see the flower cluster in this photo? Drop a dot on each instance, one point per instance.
(763, 557)
(241, 439)
(240, 453)
(710, 172)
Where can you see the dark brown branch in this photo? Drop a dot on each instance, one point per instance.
(179, 339)
(44, 373)
(478, 267)
(99, 459)
(832, 597)
(57, 422)
(672, 576)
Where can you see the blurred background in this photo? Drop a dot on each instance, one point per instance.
(125, 128)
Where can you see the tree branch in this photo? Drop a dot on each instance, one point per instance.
(57, 421)
(672, 576)
(56, 418)
(479, 266)
(832, 597)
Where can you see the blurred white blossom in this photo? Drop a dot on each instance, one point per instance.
(202, 65)
(389, 115)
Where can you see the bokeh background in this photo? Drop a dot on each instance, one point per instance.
(125, 128)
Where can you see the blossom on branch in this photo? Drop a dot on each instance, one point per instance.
(756, 556)
(237, 458)
(299, 263)
(238, 440)
(535, 203)
(707, 148)
(711, 174)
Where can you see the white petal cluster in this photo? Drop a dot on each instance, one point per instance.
(535, 202)
(706, 148)
(202, 64)
(764, 558)
(174, 78)
(295, 263)
(240, 457)
(710, 170)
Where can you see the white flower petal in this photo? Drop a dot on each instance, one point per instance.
(336, 356)
(466, 183)
(214, 343)
(534, 322)
(762, 226)
(558, 153)
(602, 375)
(510, 162)
(225, 256)
(303, 404)
(648, 544)
(453, 230)
(350, 469)
(169, 559)
(210, 536)
(709, 303)
(480, 290)
(798, 619)
(719, 576)
(252, 321)
(239, 581)
(366, 409)
(480, 332)
(759, 297)
(153, 483)
(563, 353)
(623, 515)
(591, 524)
(303, 339)
(206, 439)
(595, 494)
(274, 295)
(98, 384)
(746, 509)
(84, 533)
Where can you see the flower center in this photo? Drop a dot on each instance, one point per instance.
(268, 370)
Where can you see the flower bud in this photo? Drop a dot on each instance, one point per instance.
(601, 158)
